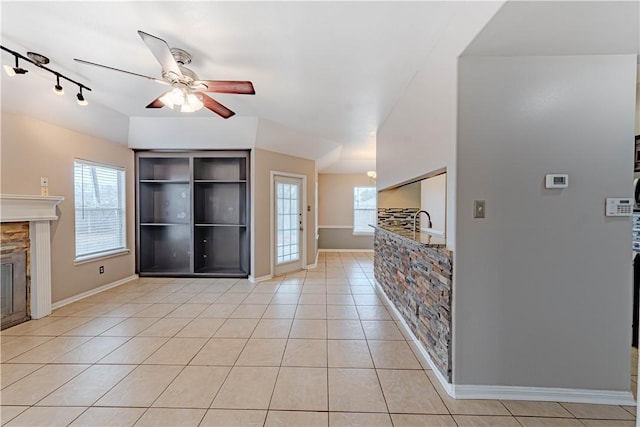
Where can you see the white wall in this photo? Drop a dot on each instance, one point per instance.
(192, 133)
(419, 135)
(433, 199)
(543, 283)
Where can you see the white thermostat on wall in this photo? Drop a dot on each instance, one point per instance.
(556, 180)
(619, 207)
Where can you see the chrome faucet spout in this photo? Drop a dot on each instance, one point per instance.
(415, 219)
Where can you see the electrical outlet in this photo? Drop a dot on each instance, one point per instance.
(44, 181)
(101, 269)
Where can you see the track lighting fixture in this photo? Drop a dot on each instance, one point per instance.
(57, 89)
(39, 61)
(12, 71)
(81, 100)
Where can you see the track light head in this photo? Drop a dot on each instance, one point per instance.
(81, 100)
(57, 89)
(12, 71)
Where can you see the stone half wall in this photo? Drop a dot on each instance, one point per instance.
(418, 280)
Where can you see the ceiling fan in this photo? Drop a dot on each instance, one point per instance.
(188, 91)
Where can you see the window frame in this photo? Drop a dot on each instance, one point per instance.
(122, 209)
(361, 231)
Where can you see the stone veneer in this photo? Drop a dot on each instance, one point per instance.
(398, 217)
(14, 237)
(417, 278)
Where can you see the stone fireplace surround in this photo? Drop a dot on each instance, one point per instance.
(39, 211)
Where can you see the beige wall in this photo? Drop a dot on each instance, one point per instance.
(407, 196)
(32, 149)
(335, 197)
(263, 162)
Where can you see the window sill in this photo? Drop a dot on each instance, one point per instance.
(101, 256)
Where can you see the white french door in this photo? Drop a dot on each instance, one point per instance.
(289, 225)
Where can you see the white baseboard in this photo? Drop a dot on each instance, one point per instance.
(261, 278)
(443, 381)
(315, 264)
(345, 250)
(86, 294)
(543, 394)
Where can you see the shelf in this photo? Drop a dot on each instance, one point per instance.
(164, 224)
(222, 271)
(220, 203)
(164, 168)
(162, 203)
(219, 168)
(167, 247)
(221, 181)
(221, 225)
(220, 249)
(164, 181)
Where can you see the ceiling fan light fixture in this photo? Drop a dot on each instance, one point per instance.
(194, 101)
(57, 89)
(177, 96)
(167, 100)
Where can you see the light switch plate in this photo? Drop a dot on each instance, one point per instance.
(44, 181)
(478, 208)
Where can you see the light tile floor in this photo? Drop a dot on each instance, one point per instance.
(313, 348)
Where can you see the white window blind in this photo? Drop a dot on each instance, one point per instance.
(99, 209)
(364, 209)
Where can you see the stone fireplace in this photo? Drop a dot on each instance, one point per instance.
(14, 273)
(25, 223)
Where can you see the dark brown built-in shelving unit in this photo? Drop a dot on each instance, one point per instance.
(192, 213)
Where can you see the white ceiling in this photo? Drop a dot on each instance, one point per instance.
(326, 74)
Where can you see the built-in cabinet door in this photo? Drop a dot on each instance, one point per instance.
(288, 224)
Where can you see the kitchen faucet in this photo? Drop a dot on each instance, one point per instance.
(415, 219)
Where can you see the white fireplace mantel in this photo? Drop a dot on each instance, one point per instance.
(38, 211)
(18, 207)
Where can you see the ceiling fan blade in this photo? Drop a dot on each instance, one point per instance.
(228, 86)
(160, 49)
(215, 106)
(82, 61)
(156, 103)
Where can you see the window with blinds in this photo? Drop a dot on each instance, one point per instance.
(99, 209)
(364, 209)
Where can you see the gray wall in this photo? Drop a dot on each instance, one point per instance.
(343, 238)
(542, 291)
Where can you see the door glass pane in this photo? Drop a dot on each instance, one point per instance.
(287, 222)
